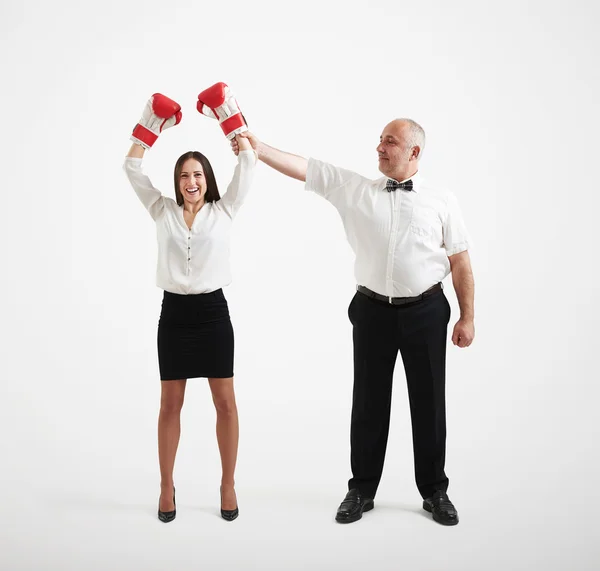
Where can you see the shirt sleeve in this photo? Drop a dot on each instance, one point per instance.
(240, 183)
(456, 237)
(150, 197)
(327, 180)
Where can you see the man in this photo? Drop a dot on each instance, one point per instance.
(407, 237)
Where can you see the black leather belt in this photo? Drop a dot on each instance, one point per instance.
(398, 300)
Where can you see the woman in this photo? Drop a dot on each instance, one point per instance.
(195, 336)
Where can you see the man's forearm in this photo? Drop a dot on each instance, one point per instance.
(286, 163)
(464, 286)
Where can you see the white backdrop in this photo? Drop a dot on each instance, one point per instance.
(508, 95)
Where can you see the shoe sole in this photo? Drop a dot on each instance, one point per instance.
(368, 507)
(427, 508)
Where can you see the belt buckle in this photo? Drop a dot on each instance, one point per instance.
(390, 300)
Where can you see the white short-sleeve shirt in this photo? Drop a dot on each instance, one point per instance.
(401, 239)
(193, 260)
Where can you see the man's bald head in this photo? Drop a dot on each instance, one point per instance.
(400, 148)
(412, 133)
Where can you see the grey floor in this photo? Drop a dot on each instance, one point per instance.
(80, 506)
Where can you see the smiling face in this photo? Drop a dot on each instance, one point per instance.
(192, 183)
(398, 157)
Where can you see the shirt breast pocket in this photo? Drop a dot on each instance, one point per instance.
(424, 223)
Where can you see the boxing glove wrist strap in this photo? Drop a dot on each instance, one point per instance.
(145, 135)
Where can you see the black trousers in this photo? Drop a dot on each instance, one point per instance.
(418, 330)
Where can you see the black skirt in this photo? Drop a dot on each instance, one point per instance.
(195, 336)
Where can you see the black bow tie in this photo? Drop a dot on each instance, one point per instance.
(392, 185)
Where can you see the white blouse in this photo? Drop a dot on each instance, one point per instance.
(196, 260)
(401, 239)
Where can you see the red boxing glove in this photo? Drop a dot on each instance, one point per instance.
(160, 113)
(219, 103)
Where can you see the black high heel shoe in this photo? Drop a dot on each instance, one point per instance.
(167, 517)
(228, 515)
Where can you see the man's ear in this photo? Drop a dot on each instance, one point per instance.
(416, 151)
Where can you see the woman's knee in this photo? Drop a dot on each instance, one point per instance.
(171, 400)
(225, 404)
(171, 406)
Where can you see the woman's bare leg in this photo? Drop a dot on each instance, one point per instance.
(227, 436)
(169, 428)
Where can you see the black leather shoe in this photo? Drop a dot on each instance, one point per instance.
(229, 515)
(166, 517)
(353, 506)
(442, 509)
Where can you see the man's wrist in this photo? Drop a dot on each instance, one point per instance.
(260, 150)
